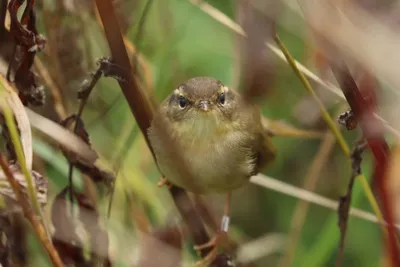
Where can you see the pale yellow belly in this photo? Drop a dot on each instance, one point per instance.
(217, 165)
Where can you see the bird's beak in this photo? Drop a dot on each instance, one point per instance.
(204, 105)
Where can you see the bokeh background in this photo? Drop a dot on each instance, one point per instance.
(176, 40)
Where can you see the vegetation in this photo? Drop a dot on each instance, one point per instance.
(119, 215)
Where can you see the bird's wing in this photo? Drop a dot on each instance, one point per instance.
(266, 154)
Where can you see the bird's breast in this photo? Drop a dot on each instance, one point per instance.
(216, 158)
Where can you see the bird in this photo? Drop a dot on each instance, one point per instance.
(220, 139)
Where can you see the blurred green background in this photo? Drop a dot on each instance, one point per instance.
(179, 41)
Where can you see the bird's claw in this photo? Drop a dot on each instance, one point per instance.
(213, 243)
(163, 181)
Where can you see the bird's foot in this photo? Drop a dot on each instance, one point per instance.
(213, 243)
(163, 181)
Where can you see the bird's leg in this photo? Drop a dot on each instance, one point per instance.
(163, 181)
(218, 237)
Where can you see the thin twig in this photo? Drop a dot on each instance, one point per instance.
(85, 93)
(332, 126)
(108, 69)
(30, 216)
(324, 113)
(372, 131)
(345, 201)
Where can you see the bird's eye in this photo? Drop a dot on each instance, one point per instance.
(182, 102)
(222, 99)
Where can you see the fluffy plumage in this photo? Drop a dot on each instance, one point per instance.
(221, 137)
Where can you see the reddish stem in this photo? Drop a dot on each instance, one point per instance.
(364, 108)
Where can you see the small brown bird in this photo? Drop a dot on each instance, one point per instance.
(219, 135)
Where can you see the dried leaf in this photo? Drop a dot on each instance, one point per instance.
(92, 170)
(29, 41)
(21, 119)
(98, 237)
(65, 138)
(69, 123)
(65, 238)
(7, 192)
(281, 128)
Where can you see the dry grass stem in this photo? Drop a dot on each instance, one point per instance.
(225, 20)
(12, 107)
(62, 136)
(21, 118)
(332, 125)
(30, 216)
(346, 30)
(261, 247)
(55, 91)
(290, 190)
